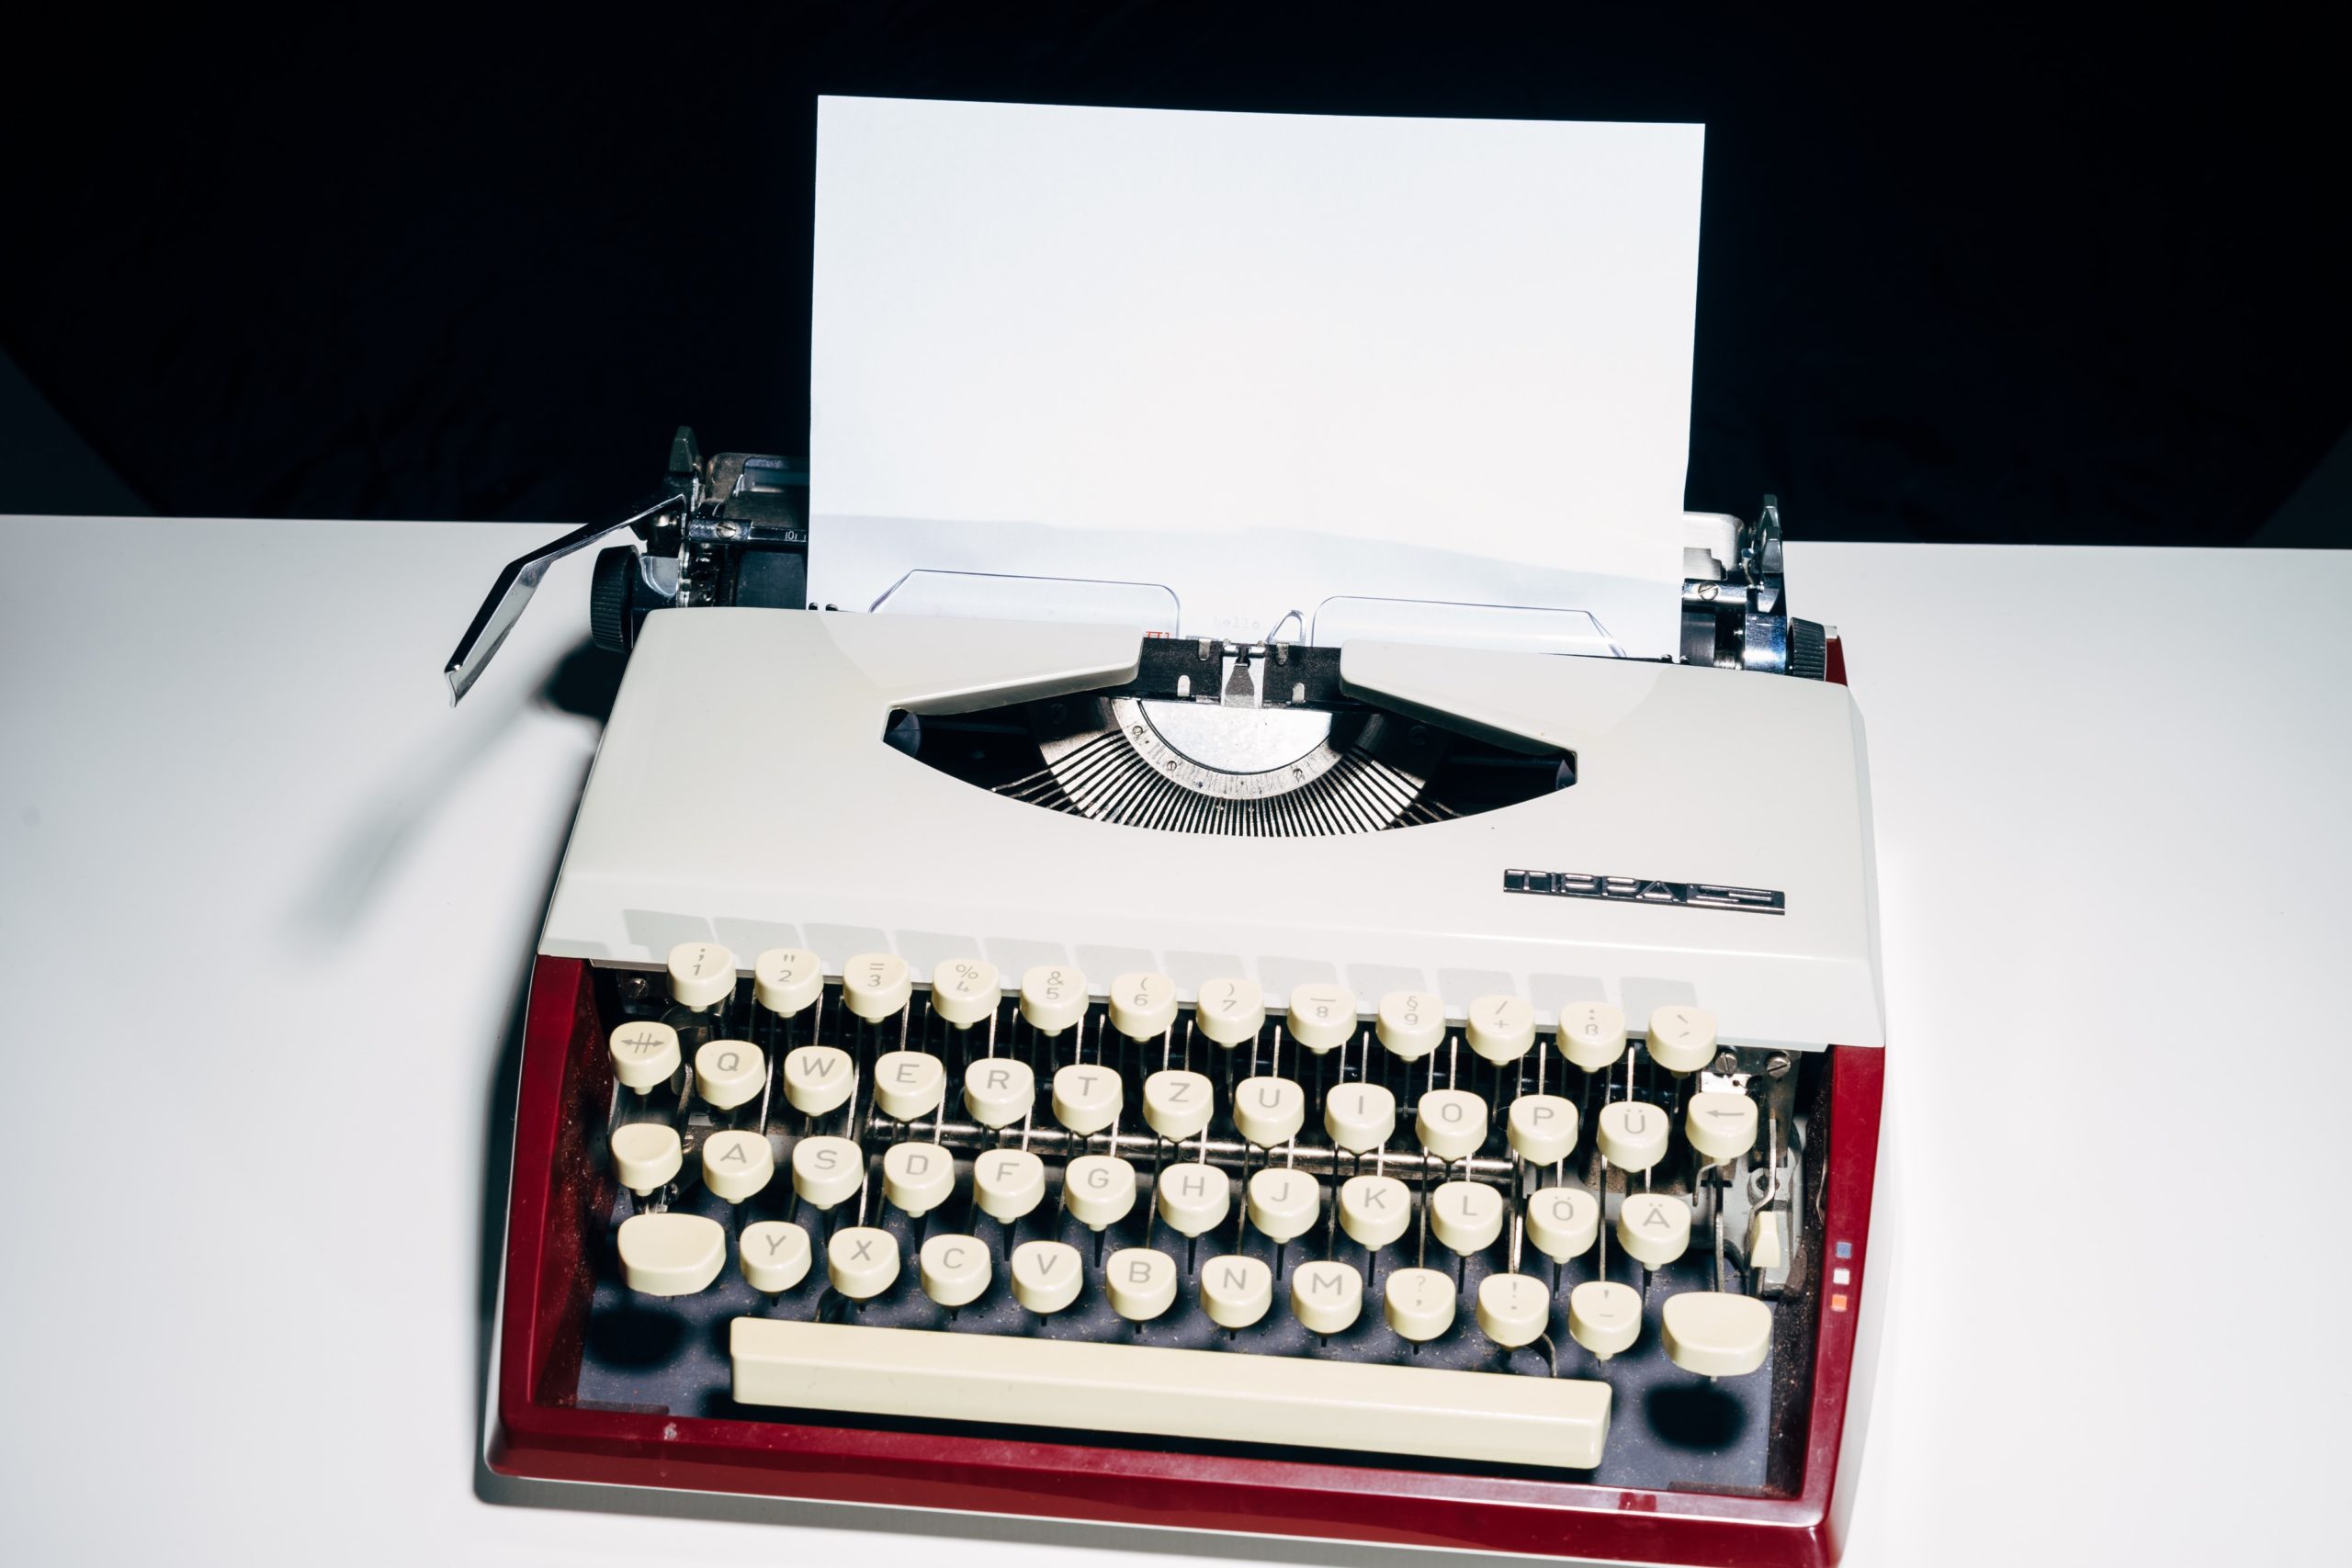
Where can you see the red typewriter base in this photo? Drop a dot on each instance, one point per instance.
(540, 1432)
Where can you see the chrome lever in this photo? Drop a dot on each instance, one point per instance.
(512, 593)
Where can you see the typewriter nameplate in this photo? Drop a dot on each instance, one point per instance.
(1646, 890)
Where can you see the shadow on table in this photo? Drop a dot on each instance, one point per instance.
(581, 684)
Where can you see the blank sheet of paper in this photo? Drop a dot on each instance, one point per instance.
(1275, 365)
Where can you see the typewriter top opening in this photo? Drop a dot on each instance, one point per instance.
(1253, 740)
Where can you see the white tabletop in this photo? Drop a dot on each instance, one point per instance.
(266, 906)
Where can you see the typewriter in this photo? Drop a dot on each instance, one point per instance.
(1392, 1094)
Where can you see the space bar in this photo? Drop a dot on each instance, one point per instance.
(1157, 1390)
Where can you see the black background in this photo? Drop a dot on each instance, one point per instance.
(2042, 278)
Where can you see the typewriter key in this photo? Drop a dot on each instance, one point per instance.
(1501, 1028)
(1326, 1297)
(965, 991)
(736, 1164)
(862, 1262)
(1653, 1227)
(1046, 1275)
(1323, 1016)
(1231, 1011)
(1140, 1282)
(701, 974)
(1513, 1310)
(787, 980)
(774, 1255)
(955, 1269)
(645, 1055)
(1411, 1024)
(1604, 1316)
(1592, 1034)
(1419, 1303)
(1543, 1128)
(1721, 1124)
(1284, 1202)
(671, 1254)
(1236, 1292)
(1562, 1222)
(1682, 1039)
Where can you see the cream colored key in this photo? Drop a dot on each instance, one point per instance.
(1322, 1016)
(671, 1254)
(729, 1073)
(774, 1255)
(1269, 1111)
(1653, 1227)
(1513, 1310)
(1682, 1039)
(1230, 1011)
(954, 1269)
(701, 972)
(965, 991)
(1715, 1332)
(862, 1261)
(1592, 1034)
(1467, 1216)
(1721, 1124)
(1451, 1123)
(1411, 1024)
(735, 1165)
(1360, 1117)
(1604, 1316)
(1562, 1222)
(1159, 1391)
(1046, 1275)
(1087, 1097)
(918, 1178)
(1419, 1303)
(1765, 1249)
(1009, 1183)
(817, 1079)
(1177, 1104)
(1501, 1028)
(1052, 997)
(645, 1055)
(646, 1156)
(1236, 1292)
(1194, 1198)
(875, 986)
(1543, 1128)
(1326, 1297)
(1099, 1190)
(1140, 1282)
(908, 1085)
(1143, 1006)
(1631, 1134)
(998, 1091)
(1375, 1209)
(787, 980)
(1284, 1202)
(827, 1171)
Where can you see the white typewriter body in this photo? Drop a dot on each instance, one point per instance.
(744, 792)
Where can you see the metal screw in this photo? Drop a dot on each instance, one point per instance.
(1778, 1067)
(1707, 591)
(1727, 1060)
(730, 530)
(634, 987)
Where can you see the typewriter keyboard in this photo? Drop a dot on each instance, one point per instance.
(1424, 1228)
